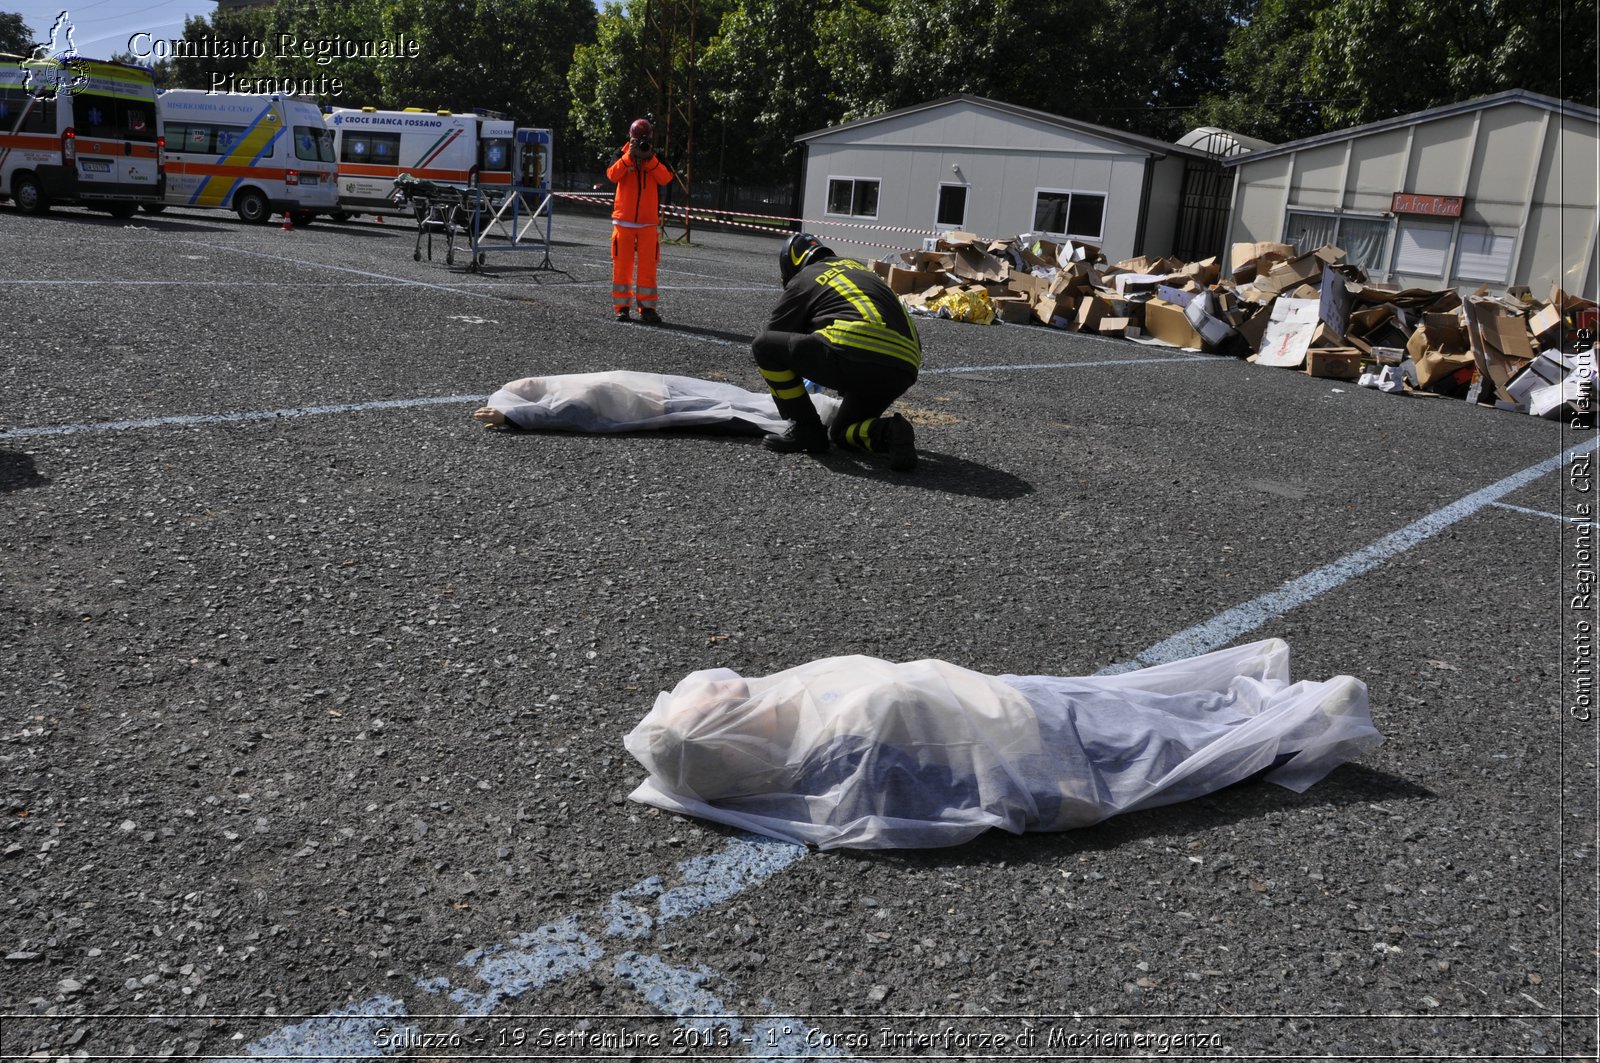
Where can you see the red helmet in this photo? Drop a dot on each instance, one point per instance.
(640, 130)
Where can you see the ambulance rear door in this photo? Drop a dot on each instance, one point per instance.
(495, 161)
(113, 119)
(310, 176)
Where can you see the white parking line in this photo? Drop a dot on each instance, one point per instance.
(190, 420)
(1541, 513)
(406, 281)
(1189, 358)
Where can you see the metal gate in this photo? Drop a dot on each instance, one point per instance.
(1207, 197)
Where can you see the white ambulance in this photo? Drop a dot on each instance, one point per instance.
(257, 155)
(78, 132)
(374, 147)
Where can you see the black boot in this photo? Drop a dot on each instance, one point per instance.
(809, 436)
(896, 438)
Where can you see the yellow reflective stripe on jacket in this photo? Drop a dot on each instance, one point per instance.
(840, 282)
(867, 336)
(872, 332)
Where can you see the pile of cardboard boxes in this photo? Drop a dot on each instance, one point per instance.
(1275, 306)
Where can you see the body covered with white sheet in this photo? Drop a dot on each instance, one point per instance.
(626, 401)
(861, 752)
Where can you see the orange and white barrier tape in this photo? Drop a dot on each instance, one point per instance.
(708, 214)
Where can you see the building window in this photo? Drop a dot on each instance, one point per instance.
(1080, 214)
(1307, 232)
(1362, 240)
(1360, 237)
(854, 196)
(1481, 255)
(952, 206)
(1421, 248)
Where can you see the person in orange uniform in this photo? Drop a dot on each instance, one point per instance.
(635, 216)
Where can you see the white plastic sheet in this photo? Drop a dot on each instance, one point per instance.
(860, 752)
(627, 401)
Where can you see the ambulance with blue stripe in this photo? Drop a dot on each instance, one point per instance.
(257, 155)
(374, 147)
(78, 132)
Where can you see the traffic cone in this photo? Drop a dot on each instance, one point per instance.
(288, 223)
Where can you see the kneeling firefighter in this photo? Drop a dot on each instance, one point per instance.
(838, 324)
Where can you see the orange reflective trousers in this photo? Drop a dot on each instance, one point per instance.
(631, 246)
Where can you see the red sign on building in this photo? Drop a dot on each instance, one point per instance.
(1416, 203)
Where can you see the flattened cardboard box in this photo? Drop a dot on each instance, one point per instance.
(1491, 323)
(1244, 253)
(906, 281)
(1334, 363)
(1212, 329)
(1012, 309)
(974, 265)
(1090, 311)
(1289, 333)
(1167, 323)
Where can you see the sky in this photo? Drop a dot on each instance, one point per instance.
(105, 26)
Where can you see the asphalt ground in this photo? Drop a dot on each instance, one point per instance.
(314, 706)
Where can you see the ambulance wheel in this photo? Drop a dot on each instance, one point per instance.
(339, 216)
(123, 210)
(252, 207)
(302, 218)
(29, 196)
(153, 208)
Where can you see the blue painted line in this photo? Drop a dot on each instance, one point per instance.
(528, 961)
(715, 878)
(189, 420)
(559, 949)
(364, 1030)
(1227, 626)
(678, 992)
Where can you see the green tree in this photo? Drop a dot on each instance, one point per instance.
(506, 55)
(300, 28)
(1393, 57)
(204, 71)
(765, 77)
(15, 37)
(644, 58)
(1133, 66)
(1148, 63)
(606, 82)
(854, 47)
(1265, 88)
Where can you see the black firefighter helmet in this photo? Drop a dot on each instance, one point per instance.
(798, 252)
